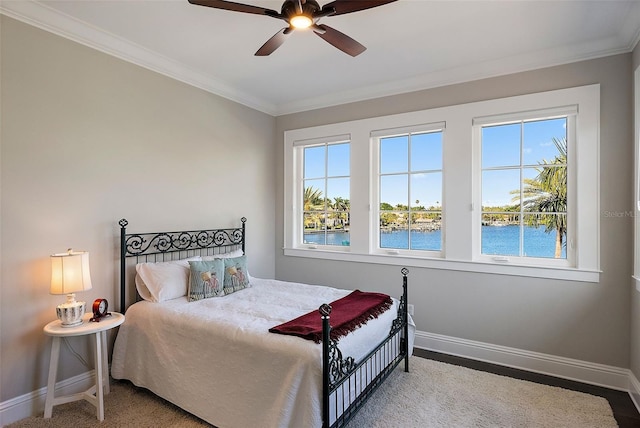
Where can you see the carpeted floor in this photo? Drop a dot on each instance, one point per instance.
(433, 394)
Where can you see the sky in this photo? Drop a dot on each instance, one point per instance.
(505, 148)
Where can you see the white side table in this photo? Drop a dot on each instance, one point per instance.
(95, 394)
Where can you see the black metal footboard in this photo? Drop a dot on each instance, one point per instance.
(346, 386)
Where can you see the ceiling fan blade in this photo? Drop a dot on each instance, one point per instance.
(236, 7)
(341, 41)
(348, 6)
(273, 43)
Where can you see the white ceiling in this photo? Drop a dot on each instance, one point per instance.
(411, 44)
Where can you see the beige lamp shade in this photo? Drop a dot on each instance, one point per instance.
(70, 272)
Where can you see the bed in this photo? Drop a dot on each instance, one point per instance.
(215, 357)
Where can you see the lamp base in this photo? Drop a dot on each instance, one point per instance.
(79, 322)
(70, 315)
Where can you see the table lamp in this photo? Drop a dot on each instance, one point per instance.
(70, 274)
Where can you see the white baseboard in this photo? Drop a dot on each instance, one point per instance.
(32, 403)
(567, 368)
(634, 390)
(582, 371)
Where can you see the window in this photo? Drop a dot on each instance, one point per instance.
(325, 200)
(524, 188)
(458, 187)
(410, 191)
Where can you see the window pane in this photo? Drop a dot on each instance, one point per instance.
(538, 144)
(390, 220)
(426, 191)
(530, 190)
(314, 228)
(426, 151)
(497, 188)
(394, 190)
(501, 234)
(393, 230)
(326, 194)
(338, 194)
(426, 231)
(501, 145)
(394, 154)
(545, 189)
(338, 229)
(313, 195)
(545, 236)
(314, 162)
(338, 160)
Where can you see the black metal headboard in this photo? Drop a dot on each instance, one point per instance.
(166, 246)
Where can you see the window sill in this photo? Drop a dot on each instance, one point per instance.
(566, 274)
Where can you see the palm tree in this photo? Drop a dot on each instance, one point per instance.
(341, 204)
(547, 193)
(312, 199)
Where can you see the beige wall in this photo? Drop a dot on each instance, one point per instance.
(87, 139)
(585, 321)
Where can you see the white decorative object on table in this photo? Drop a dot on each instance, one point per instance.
(70, 274)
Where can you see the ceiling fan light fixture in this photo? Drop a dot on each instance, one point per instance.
(301, 21)
(303, 14)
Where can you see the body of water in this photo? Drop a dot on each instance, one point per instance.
(496, 240)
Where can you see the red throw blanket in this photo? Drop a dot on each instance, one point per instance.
(347, 314)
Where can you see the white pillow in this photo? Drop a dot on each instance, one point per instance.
(231, 255)
(157, 282)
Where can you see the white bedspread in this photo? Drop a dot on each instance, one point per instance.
(216, 359)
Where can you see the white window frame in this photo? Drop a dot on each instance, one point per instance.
(461, 204)
(374, 239)
(298, 189)
(570, 112)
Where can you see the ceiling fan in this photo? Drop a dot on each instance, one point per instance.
(302, 14)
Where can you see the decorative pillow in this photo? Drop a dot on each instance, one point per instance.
(235, 274)
(205, 279)
(162, 281)
(232, 254)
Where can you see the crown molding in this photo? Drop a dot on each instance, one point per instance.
(40, 15)
(630, 30)
(467, 73)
